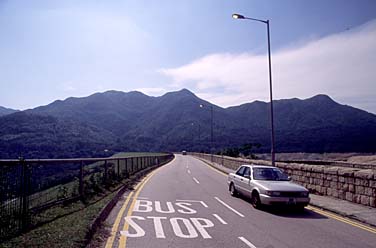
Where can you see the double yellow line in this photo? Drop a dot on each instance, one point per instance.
(317, 210)
(342, 219)
(115, 227)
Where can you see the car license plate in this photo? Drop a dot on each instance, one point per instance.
(291, 201)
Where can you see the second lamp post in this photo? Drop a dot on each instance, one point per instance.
(211, 130)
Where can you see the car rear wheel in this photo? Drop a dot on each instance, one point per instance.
(255, 200)
(233, 191)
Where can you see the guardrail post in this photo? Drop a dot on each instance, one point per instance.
(25, 185)
(118, 168)
(81, 180)
(105, 172)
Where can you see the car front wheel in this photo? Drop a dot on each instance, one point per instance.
(255, 200)
(233, 191)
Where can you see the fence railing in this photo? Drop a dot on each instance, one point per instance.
(30, 187)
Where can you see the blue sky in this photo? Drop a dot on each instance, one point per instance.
(55, 49)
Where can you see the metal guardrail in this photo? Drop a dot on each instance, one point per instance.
(28, 188)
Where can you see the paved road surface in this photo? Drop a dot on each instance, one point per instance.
(186, 203)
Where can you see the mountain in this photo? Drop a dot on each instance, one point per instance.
(37, 136)
(6, 111)
(175, 121)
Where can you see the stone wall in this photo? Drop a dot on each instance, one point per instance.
(351, 184)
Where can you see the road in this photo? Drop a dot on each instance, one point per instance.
(186, 203)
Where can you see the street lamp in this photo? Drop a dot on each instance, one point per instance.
(238, 16)
(211, 130)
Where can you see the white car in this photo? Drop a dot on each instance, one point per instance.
(267, 185)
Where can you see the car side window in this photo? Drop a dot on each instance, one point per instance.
(240, 172)
(247, 172)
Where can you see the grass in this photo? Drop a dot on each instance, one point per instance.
(67, 231)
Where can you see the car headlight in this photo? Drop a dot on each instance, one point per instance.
(273, 193)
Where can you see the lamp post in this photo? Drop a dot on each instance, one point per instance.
(238, 16)
(211, 130)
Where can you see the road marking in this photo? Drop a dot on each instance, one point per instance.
(342, 219)
(189, 172)
(142, 198)
(323, 212)
(227, 206)
(110, 240)
(196, 180)
(247, 242)
(159, 233)
(220, 219)
(192, 233)
(123, 239)
(203, 203)
(115, 227)
(213, 167)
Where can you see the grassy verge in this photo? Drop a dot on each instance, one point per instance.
(71, 227)
(67, 231)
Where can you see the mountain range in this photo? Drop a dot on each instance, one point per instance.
(7, 111)
(133, 121)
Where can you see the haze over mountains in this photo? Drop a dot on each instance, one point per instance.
(133, 121)
(6, 111)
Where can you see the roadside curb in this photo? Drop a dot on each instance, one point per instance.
(335, 211)
(106, 210)
(343, 214)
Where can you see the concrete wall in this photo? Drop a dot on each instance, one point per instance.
(351, 184)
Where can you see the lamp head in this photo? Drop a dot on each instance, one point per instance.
(237, 16)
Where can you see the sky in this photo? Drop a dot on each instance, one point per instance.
(53, 50)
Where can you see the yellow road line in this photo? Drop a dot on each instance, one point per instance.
(115, 227)
(123, 239)
(342, 219)
(317, 210)
(111, 239)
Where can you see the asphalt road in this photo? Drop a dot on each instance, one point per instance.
(186, 203)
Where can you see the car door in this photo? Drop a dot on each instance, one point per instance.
(238, 179)
(245, 181)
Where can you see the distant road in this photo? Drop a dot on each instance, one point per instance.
(187, 204)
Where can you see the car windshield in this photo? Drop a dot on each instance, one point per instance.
(272, 174)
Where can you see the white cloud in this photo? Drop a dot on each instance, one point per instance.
(342, 65)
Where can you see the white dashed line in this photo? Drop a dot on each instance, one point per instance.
(247, 242)
(196, 180)
(220, 219)
(189, 172)
(227, 206)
